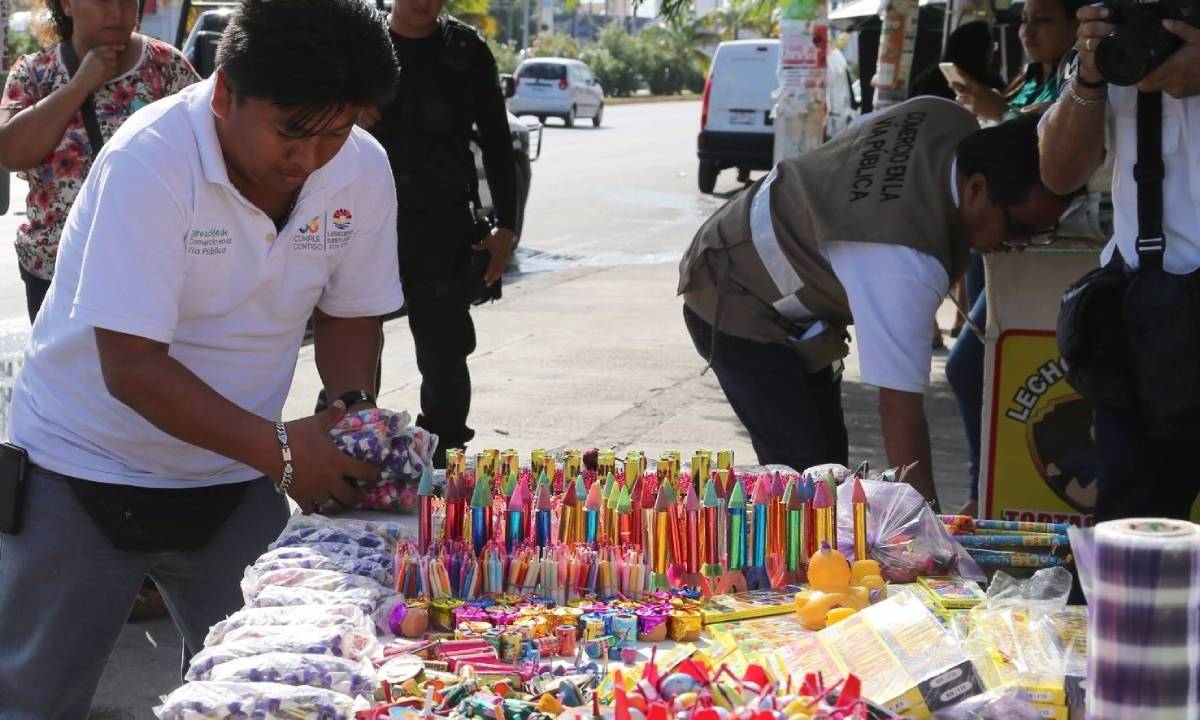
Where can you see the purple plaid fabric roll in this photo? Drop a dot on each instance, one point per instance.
(1144, 632)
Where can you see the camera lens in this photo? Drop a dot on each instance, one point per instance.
(1134, 49)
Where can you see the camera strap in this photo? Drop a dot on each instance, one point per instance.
(1149, 173)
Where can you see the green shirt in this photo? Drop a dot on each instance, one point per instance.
(1034, 91)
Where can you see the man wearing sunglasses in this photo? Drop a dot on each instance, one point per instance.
(869, 230)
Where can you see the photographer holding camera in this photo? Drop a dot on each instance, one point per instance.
(1130, 330)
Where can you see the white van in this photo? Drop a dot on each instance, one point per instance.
(736, 129)
(557, 87)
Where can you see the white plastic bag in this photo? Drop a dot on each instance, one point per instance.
(254, 581)
(342, 616)
(342, 675)
(257, 640)
(310, 558)
(253, 701)
(376, 602)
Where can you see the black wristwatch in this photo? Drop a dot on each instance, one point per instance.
(350, 398)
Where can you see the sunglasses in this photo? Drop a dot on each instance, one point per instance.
(1020, 235)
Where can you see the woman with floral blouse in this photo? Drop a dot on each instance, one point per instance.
(42, 132)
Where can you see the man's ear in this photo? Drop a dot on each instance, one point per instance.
(222, 100)
(975, 190)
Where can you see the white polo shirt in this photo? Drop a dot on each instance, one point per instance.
(160, 244)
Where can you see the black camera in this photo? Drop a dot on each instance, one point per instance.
(1141, 43)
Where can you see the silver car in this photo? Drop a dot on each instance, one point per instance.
(557, 87)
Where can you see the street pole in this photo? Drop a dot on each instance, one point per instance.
(525, 28)
(800, 97)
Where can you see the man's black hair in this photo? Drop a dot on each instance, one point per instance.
(1005, 154)
(312, 56)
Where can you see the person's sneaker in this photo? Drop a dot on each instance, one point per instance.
(148, 605)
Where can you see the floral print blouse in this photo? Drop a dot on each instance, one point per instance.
(161, 71)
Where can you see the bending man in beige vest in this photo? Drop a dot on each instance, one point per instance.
(869, 230)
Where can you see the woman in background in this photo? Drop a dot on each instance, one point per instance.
(1047, 36)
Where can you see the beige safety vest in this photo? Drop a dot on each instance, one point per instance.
(885, 180)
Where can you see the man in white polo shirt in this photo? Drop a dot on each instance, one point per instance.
(214, 224)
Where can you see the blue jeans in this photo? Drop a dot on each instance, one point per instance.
(794, 418)
(964, 370)
(1140, 476)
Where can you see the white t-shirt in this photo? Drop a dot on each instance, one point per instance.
(894, 293)
(1181, 186)
(160, 245)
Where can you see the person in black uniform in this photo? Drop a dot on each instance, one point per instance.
(449, 90)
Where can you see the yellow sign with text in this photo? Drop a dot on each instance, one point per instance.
(1042, 464)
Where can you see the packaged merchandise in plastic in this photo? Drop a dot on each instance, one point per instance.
(341, 616)
(327, 534)
(377, 603)
(308, 558)
(381, 555)
(310, 529)
(344, 641)
(385, 439)
(904, 534)
(343, 675)
(908, 662)
(254, 581)
(1025, 638)
(210, 700)
(252, 641)
(1002, 704)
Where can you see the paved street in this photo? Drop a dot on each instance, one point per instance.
(587, 348)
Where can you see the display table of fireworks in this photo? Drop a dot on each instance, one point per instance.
(564, 588)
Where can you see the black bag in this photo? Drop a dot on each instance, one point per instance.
(1091, 340)
(1132, 340)
(146, 520)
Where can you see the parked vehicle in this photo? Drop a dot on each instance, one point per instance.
(200, 49)
(557, 87)
(736, 128)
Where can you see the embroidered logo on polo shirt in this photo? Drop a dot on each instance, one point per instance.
(339, 235)
(208, 241)
(309, 236)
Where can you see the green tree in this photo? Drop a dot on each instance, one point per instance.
(555, 44)
(505, 54)
(758, 16)
(619, 61)
(475, 13)
(674, 61)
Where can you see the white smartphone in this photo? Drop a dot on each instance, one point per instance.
(952, 73)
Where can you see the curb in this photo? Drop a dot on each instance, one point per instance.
(645, 99)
